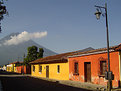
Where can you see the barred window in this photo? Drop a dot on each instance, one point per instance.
(58, 68)
(103, 67)
(40, 68)
(76, 69)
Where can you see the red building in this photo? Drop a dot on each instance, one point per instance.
(23, 69)
(18, 67)
(91, 66)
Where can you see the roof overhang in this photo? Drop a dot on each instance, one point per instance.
(50, 62)
(91, 53)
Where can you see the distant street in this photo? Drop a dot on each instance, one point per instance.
(15, 82)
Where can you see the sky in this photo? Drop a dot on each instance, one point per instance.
(70, 24)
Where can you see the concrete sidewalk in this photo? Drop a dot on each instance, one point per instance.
(116, 89)
(88, 86)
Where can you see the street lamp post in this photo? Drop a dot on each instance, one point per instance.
(109, 75)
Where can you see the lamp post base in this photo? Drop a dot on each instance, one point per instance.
(109, 85)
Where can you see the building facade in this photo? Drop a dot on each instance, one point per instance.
(91, 66)
(18, 67)
(52, 67)
(59, 71)
(23, 69)
(10, 67)
(87, 66)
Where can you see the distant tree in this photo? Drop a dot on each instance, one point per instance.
(3, 11)
(33, 54)
(40, 53)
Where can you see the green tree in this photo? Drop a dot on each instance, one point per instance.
(33, 54)
(40, 53)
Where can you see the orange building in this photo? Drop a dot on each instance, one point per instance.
(23, 69)
(18, 67)
(91, 66)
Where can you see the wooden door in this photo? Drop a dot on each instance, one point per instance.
(47, 71)
(87, 70)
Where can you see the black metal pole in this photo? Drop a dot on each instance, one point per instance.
(109, 73)
(109, 84)
(107, 38)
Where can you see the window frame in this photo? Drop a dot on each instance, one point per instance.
(76, 68)
(103, 67)
(58, 68)
(40, 68)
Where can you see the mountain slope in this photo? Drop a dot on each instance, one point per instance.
(86, 49)
(13, 53)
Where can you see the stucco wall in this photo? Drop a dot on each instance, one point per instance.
(53, 74)
(10, 68)
(120, 64)
(95, 68)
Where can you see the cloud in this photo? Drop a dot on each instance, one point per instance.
(24, 36)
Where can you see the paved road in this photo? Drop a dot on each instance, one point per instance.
(24, 83)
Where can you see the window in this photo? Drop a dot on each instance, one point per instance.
(103, 67)
(40, 68)
(76, 69)
(33, 68)
(58, 68)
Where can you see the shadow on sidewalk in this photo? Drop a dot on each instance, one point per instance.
(33, 84)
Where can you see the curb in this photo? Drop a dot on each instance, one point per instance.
(116, 89)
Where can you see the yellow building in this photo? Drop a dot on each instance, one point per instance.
(53, 67)
(10, 67)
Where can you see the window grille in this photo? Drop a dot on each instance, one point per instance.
(103, 67)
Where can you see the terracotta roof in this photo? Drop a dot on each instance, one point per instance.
(97, 50)
(53, 59)
(16, 62)
(63, 57)
(118, 48)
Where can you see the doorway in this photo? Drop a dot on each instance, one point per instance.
(87, 70)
